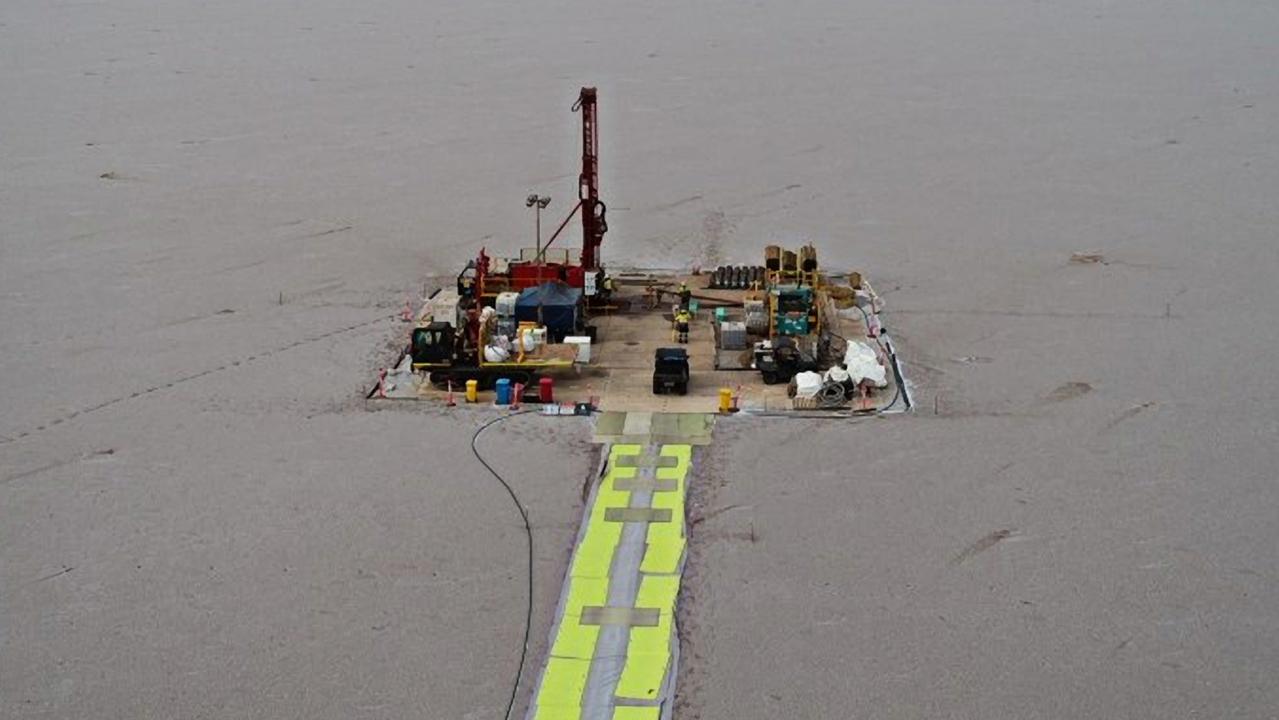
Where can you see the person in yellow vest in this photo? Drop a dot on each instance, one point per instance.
(682, 319)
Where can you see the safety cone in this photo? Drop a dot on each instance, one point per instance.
(448, 400)
(864, 403)
(516, 394)
(381, 383)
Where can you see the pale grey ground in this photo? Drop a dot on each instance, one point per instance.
(260, 545)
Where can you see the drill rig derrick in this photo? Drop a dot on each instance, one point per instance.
(587, 274)
(594, 224)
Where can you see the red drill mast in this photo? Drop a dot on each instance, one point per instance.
(522, 273)
(593, 223)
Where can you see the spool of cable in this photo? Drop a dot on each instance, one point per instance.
(831, 395)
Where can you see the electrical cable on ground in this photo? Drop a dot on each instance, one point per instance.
(898, 380)
(528, 532)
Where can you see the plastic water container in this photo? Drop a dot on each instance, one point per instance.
(732, 335)
(505, 304)
(528, 340)
(583, 345)
(503, 387)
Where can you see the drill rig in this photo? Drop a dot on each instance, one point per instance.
(486, 276)
(471, 335)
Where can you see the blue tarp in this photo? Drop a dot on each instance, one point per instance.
(559, 303)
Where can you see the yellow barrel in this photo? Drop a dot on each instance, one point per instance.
(725, 399)
(472, 391)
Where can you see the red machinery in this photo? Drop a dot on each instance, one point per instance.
(489, 278)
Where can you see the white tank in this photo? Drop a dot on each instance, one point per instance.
(505, 304)
(529, 338)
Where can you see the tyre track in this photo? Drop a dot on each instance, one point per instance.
(188, 378)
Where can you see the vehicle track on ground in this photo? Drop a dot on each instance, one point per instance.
(49, 425)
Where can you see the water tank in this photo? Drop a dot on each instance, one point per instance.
(505, 304)
(732, 335)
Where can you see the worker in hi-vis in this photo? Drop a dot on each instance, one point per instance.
(682, 319)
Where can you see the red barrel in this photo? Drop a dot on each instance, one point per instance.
(546, 390)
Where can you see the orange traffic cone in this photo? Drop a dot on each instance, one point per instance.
(864, 403)
(448, 400)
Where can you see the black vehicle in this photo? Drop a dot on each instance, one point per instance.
(782, 361)
(670, 371)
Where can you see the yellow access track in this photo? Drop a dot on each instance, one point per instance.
(614, 647)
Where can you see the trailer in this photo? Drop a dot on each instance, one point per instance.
(446, 354)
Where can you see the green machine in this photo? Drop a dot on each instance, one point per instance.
(793, 310)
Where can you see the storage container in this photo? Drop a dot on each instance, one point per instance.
(505, 304)
(583, 344)
(732, 335)
(503, 388)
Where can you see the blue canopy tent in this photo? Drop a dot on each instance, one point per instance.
(554, 304)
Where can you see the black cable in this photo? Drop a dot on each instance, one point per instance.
(898, 380)
(897, 391)
(528, 532)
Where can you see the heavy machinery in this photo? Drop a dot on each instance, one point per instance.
(780, 359)
(793, 310)
(794, 297)
(670, 371)
(487, 276)
(477, 350)
(470, 335)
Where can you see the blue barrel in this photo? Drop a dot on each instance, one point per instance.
(503, 387)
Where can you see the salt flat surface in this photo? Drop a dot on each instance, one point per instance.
(211, 209)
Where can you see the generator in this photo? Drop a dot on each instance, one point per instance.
(793, 311)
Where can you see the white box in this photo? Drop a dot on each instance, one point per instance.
(583, 344)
